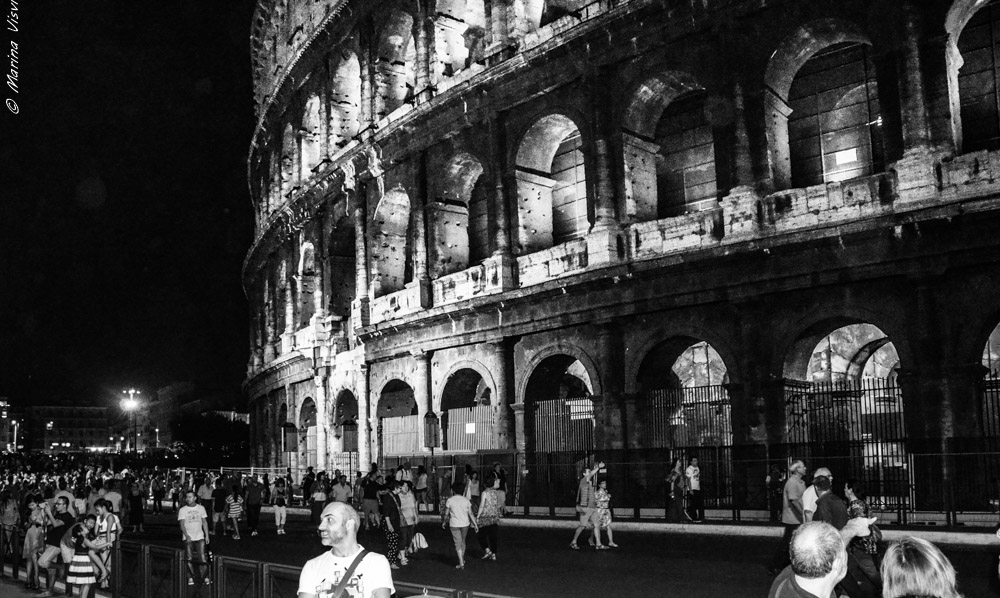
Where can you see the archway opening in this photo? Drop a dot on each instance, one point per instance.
(449, 215)
(978, 79)
(345, 421)
(306, 284)
(991, 400)
(466, 412)
(460, 34)
(562, 413)
(395, 70)
(843, 403)
(551, 184)
(390, 251)
(284, 441)
(399, 423)
(311, 135)
(684, 401)
(345, 99)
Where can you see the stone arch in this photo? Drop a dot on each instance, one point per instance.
(550, 172)
(459, 36)
(657, 337)
(451, 193)
(669, 148)
(396, 399)
(789, 57)
(341, 262)
(345, 97)
(559, 414)
(311, 134)
(861, 335)
(390, 247)
(556, 9)
(396, 56)
(345, 420)
(567, 349)
(462, 364)
(975, 117)
(676, 362)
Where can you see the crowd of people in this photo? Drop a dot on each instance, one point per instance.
(831, 547)
(69, 513)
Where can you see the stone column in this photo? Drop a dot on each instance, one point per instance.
(360, 306)
(503, 367)
(364, 423)
(612, 356)
(422, 390)
(913, 101)
(423, 42)
(605, 243)
(501, 267)
(367, 116)
(270, 328)
(322, 422)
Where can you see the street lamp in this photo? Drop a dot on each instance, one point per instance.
(157, 438)
(131, 405)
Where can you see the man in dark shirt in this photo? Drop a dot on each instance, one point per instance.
(219, 506)
(829, 507)
(255, 498)
(58, 523)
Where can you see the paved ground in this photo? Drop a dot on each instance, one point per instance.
(537, 562)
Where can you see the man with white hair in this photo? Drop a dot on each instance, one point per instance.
(791, 513)
(810, 496)
(347, 569)
(819, 560)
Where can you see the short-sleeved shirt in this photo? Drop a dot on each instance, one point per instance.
(459, 511)
(794, 488)
(831, 509)
(809, 498)
(784, 586)
(55, 534)
(219, 496)
(191, 517)
(322, 574)
(341, 493)
(693, 473)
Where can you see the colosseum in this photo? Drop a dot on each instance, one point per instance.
(544, 232)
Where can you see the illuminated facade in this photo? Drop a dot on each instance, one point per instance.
(635, 228)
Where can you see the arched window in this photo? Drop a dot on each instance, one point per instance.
(345, 98)
(400, 427)
(449, 211)
(311, 134)
(307, 283)
(389, 250)
(669, 149)
(823, 114)
(395, 72)
(289, 161)
(551, 184)
(979, 79)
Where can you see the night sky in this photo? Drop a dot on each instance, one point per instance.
(124, 210)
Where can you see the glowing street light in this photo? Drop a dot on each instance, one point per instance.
(131, 405)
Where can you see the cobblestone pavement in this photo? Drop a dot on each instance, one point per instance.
(535, 562)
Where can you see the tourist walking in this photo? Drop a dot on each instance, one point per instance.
(409, 518)
(194, 530)
(34, 543)
(391, 522)
(457, 514)
(234, 510)
(675, 493)
(603, 498)
(864, 550)
(586, 506)
(791, 514)
(109, 529)
(421, 489)
(254, 502)
(491, 511)
(136, 506)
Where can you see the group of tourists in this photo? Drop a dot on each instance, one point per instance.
(832, 548)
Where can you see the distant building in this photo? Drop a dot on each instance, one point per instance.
(67, 428)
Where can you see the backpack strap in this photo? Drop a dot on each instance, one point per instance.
(337, 591)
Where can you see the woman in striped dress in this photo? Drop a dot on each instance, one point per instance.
(234, 504)
(81, 568)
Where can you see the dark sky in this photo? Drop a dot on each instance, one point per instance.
(124, 210)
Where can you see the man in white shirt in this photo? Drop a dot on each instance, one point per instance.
(338, 529)
(810, 496)
(194, 529)
(693, 474)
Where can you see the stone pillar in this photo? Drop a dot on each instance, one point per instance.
(913, 101)
(293, 451)
(605, 243)
(423, 42)
(322, 422)
(270, 328)
(364, 423)
(422, 391)
(367, 116)
(501, 267)
(612, 356)
(776, 112)
(503, 368)
(320, 282)
(420, 275)
(360, 306)
(520, 438)
(742, 160)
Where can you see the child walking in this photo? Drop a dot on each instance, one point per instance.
(234, 505)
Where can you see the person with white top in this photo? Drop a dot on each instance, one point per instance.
(696, 509)
(810, 496)
(347, 567)
(194, 529)
(459, 517)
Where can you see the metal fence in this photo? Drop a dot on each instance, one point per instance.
(696, 416)
(563, 425)
(144, 571)
(400, 435)
(468, 429)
